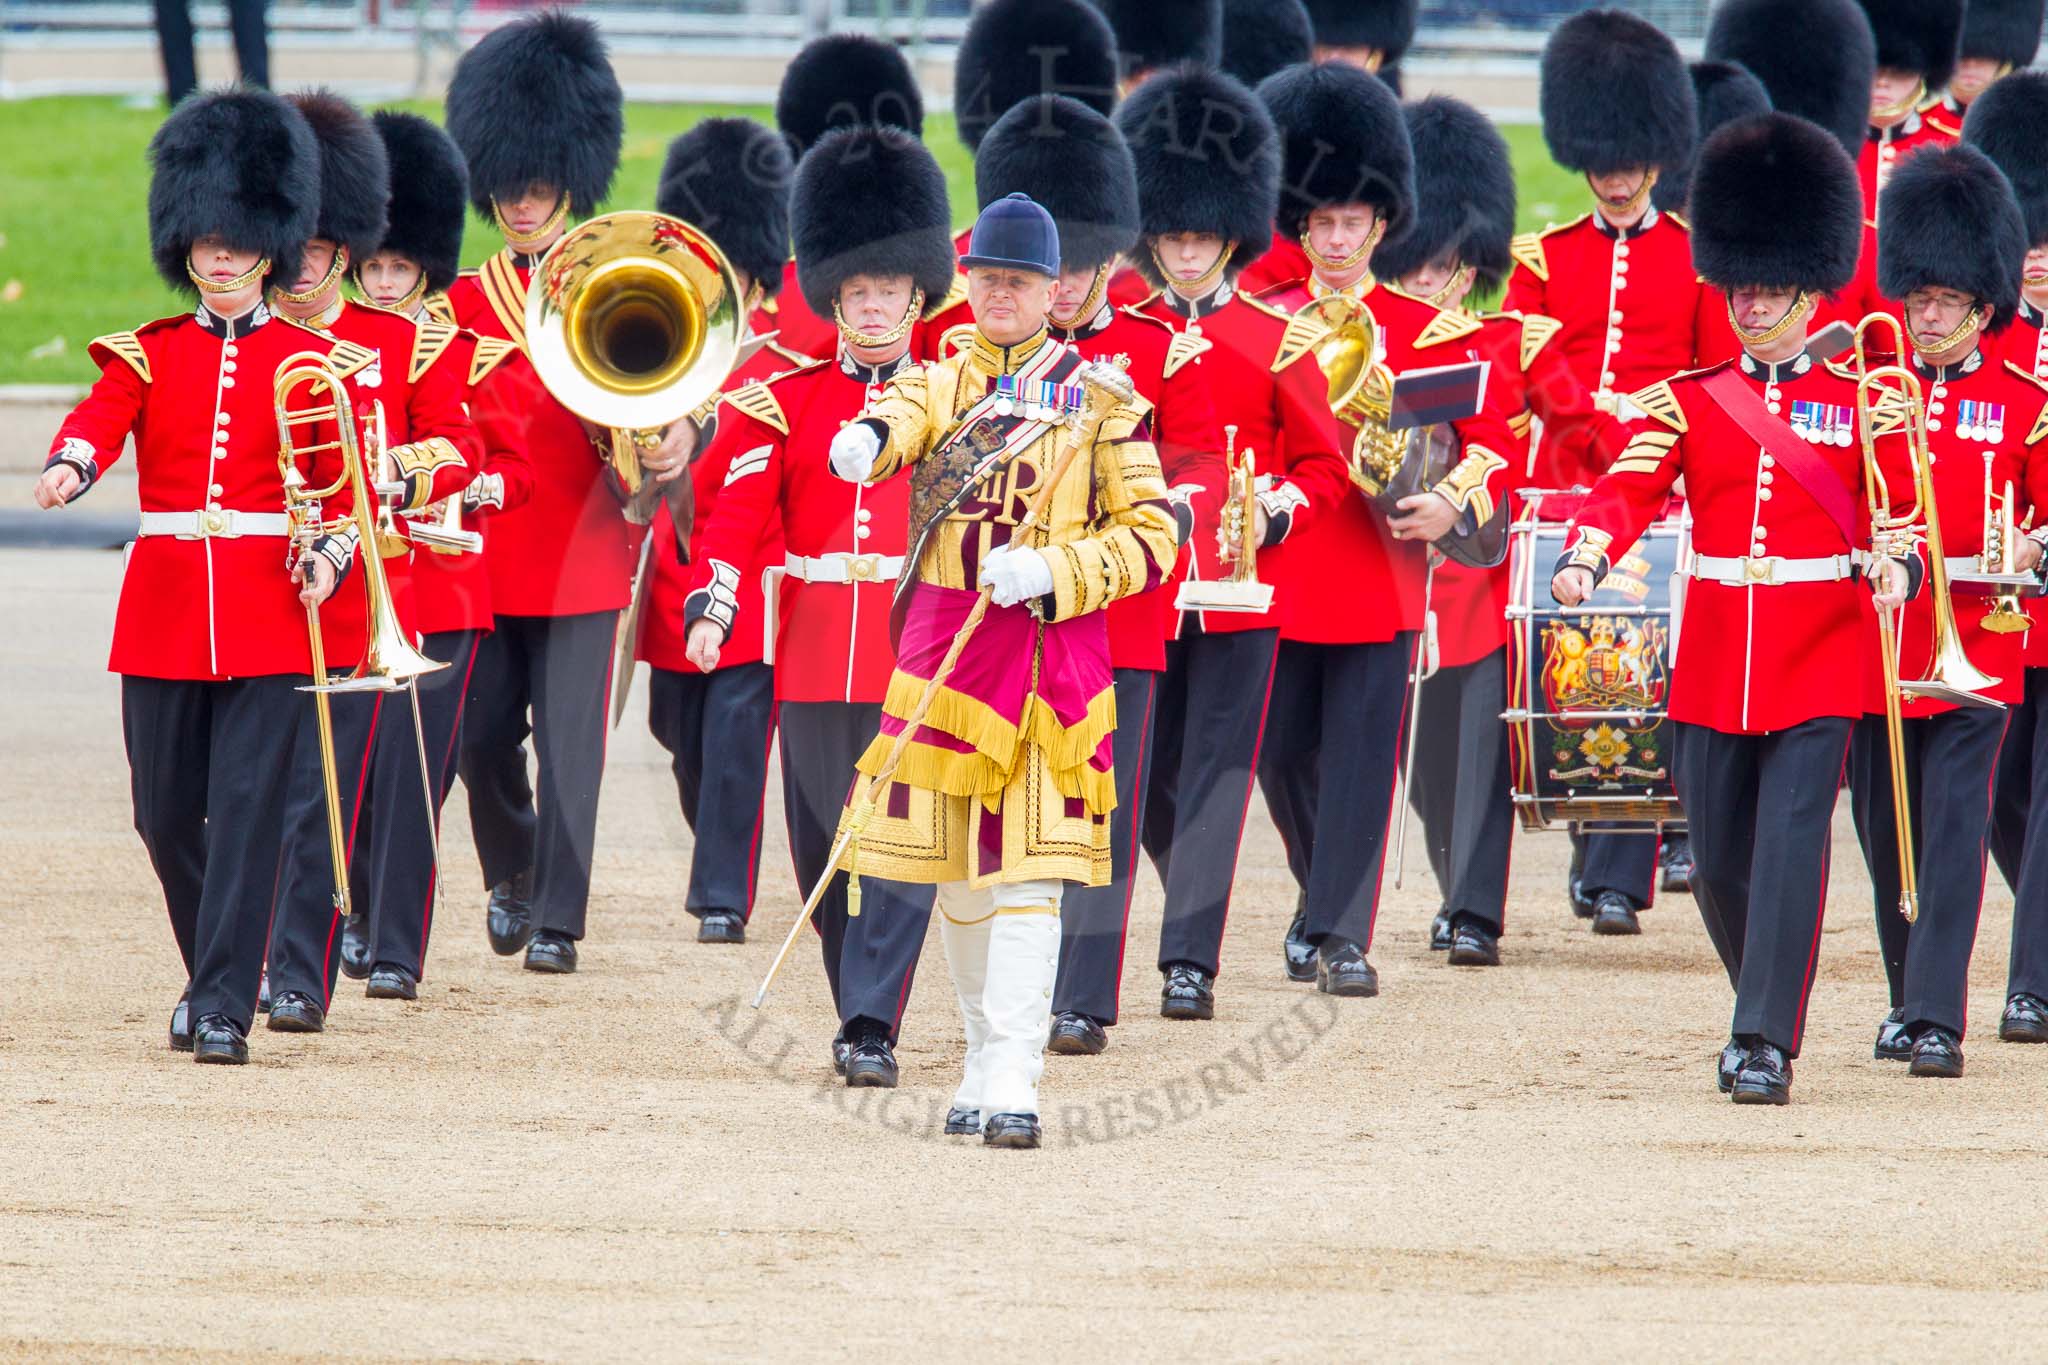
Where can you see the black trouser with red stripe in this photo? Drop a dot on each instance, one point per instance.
(1759, 808)
(1207, 718)
(209, 793)
(1094, 919)
(869, 961)
(2019, 835)
(402, 874)
(1616, 860)
(1950, 761)
(305, 930)
(548, 678)
(1462, 786)
(717, 727)
(1333, 746)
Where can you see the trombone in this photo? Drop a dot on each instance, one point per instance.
(389, 663)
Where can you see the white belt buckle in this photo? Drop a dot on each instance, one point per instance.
(863, 568)
(208, 524)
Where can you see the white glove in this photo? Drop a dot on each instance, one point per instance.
(1015, 573)
(853, 452)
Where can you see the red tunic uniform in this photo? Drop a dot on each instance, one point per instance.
(844, 542)
(212, 600)
(569, 550)
(1884, 149)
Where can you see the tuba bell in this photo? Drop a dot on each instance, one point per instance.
(634, 319)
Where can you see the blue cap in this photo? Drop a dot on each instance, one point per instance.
(1015, 233)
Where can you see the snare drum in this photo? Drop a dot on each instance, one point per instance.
(1589, 686)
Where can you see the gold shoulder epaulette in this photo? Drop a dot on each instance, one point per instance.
(1267, 308)
(795, 358)
(438, 307)
(1446, 326)
(2040, 422)
(1527, 251)
(759, 403)
(1537, 330)
(429, 341)
(348, 357)
(1184, 347)
(1661, 403)
(955, 339)
(489, 352)
(1678, 218)
(128, 346)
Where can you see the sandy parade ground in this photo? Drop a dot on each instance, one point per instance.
(630, 1163)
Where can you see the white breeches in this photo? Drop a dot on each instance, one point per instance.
(1003, 945)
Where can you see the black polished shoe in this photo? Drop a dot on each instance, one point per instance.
(1614, 913)
(962, 1122)
(181, 1023)
(1077, 1035)
(1937, 1052)
(389, 982)
(216, 1039)
(263, 992)
(1729, 1066)
(1011, 1130)
(1894, 1042)
(297, 1012)
(355, 946)
(2025, 1020)
(1677, 866)
(1474, 943)
(1300, 954)
(1440, 932)
(1582, 905)
(840, 1049)
(1188, 993)
(871, 1061)
(1341, 969)
(1765, 1078)
(551, 951)
(508, 917)
(721, 926)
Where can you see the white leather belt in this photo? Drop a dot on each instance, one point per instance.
(844, 568)
(1768, 571)
(226, 524)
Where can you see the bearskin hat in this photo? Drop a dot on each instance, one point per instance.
(846, 80)
(1343, 141)
(2009, 124)
(1615, 95)
(1015, 49)
(1815, 57)
(1951, 221)
(1723, 92)
(429, 187)
(1464, 194)
(355, 173)
(731, 177)
(239, 163)
(1207, 159)
(1917, 35)
(536, 100)
(1775, 201)
(1262, 36)
(870, 201)
(1074, 163)
(1151, 34)
(2004, 30)
(1388, 25)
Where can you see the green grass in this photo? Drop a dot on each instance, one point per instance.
(74, 241)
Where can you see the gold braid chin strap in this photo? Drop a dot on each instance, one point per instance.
(1203, 285)
(1972, 320)
(524, 242)
(408, 305)
(241, 281)
(1802, 304)
(1902, 107)
(853, 336)
(1325, 264)
(1090, 305)
(335, 270)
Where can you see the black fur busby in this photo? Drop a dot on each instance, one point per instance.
(239, 163)
(1207, 159)
(1464, 195)
(731, 177)
(870, 201)
(1615, 94)
(846, 80)
(2009, 124)
(1388, 25)
(1074, 163)
(1152, 34)
(2006, 31)
(1815, 57)
(537, 100)
(1262, 36)
(1015, 49)
(429, 189)
(1723, 92)
(1917, 35)
(1342, 140)
(1775, 201)
(1951, 221)
(355, 173)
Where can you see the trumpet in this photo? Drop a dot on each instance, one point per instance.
(1999, 559)
(1242, 590)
